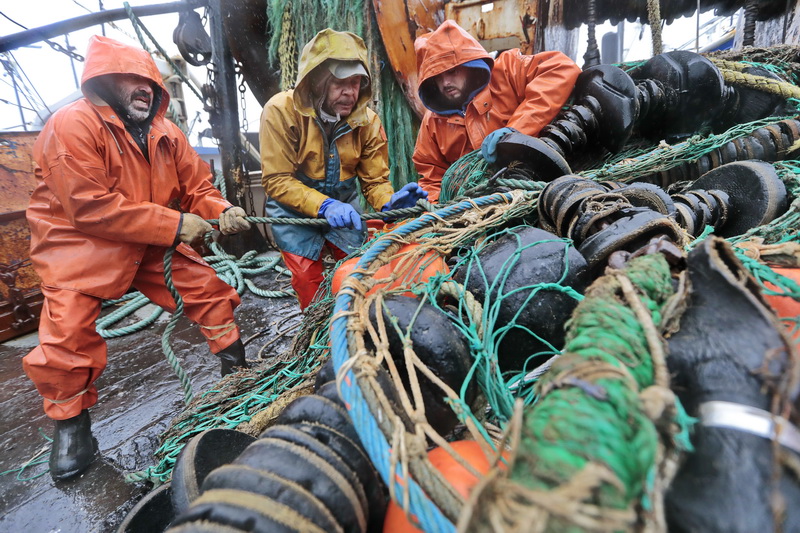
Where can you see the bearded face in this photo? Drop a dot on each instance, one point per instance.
(135, 95)
(454, 85)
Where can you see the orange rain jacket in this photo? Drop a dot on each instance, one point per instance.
(98, 203)
(524, 92)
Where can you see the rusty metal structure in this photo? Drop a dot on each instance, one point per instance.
(20, 297)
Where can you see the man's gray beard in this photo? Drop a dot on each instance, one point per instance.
(136, 115)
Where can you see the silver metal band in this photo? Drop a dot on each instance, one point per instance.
(750, 420)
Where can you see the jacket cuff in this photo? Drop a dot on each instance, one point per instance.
(177, 240)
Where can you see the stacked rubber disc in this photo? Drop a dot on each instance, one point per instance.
(308, 472)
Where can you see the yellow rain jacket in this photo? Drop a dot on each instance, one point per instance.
(302, 165)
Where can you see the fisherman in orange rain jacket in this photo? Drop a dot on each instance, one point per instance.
(473, 100)
(108, 167)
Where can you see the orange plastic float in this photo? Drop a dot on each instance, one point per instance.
(461, 479)
(418, 270)
(786, 306)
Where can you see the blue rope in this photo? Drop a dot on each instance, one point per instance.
(367, 427)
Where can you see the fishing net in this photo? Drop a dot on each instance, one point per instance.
(587, 441)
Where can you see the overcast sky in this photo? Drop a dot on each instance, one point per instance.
(51, 72)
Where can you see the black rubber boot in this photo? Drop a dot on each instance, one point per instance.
(73, 448)
(231, 357)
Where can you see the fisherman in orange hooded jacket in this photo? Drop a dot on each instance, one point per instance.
(109, 169)
(473, 100)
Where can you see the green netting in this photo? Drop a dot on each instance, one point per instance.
(589, 431)
(606, 331)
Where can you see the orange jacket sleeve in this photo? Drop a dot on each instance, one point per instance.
(546, 79)
(198, 194)
(429, 160)
(76, 175)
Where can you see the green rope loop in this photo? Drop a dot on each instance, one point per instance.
(171, 358)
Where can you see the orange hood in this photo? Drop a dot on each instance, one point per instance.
(107, 56)
(443, 49)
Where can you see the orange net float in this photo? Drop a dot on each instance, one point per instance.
(402, 271)
(786, 306)
(461, 479)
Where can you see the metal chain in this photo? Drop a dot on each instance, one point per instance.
(210, 95)
(58, 48)
(245, 127)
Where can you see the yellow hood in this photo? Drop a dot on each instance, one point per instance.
(330, 44)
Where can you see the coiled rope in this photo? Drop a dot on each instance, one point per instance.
(229, 270)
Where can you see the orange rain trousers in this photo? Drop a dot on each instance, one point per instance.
(71, 354)
(307, 273)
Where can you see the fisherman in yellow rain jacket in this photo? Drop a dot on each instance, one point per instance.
(319, 144)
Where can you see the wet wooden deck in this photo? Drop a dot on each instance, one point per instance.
(139, 396)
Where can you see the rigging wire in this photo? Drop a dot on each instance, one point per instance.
(32, 86)
(12, 20)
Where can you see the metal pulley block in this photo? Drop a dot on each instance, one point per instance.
(191, 39)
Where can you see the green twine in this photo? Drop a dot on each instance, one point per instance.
(216, 410)
(467, 172)
(41, 457)
(577, 422)
(168, 352)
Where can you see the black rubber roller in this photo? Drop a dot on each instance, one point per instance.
(331, 392)
(534, 153)
(346, 467)
(325, 374)
(154, 512)
(245, 511)
(315, 408)
(756, 194)
(202, 454)
(325, 476)
(275, 487)
(353, 454)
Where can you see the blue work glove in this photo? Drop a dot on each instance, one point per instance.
(339, 214)
(405, 197)
(489, 144)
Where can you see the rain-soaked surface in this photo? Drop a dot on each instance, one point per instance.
(139, 395)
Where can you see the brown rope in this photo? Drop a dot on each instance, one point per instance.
(654, 19)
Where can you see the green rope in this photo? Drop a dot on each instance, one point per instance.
(404, 212)
(598, 418)
(168, 352)
(41, 457)
(136, 23)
